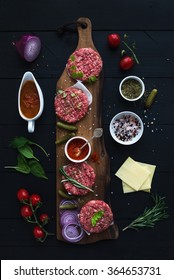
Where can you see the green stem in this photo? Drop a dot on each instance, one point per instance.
(35, 221)
(32, 143)
(134, 55)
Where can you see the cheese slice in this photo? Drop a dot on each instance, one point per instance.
(146, 186)
(128, 189)
(132, 173)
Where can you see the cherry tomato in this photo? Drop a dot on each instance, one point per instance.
(44, 218)
(126, 63)
(22, 195)
(35, 199)
(38, 232)
(113, 40)
(26, 211)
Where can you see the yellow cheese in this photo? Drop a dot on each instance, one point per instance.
(132, 173)
(128, 189)
(146, 186)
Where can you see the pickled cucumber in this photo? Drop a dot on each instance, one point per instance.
(64, 138)
(67, 126)
(68, 206)
(150, 98)
(66, 195)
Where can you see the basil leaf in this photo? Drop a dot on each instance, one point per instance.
(27, 152)
(96, 217)
(92, 79)
(18, 142)
(22, 165)
(37, 169)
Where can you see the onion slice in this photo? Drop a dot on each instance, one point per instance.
(68, 217)
(28, 47)
(72, 232)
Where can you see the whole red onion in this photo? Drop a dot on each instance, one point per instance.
(28, 47)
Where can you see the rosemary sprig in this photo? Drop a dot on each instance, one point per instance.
(150, 215)
(73, 181)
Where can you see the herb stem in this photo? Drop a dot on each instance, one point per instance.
(150, 216)
(134, 55)
(73, 181)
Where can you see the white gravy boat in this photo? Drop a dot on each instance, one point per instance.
(28, 76)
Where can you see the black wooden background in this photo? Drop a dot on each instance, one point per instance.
(151, 24)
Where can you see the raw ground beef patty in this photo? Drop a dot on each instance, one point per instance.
(85, 64)
(82, 173)
(95, 216)
(71, 105)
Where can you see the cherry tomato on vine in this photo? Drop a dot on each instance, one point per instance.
(26, 211)
(38, 232)
(126, 63)
(35, 199)
(44, 218)
(22, 195)
(113, 40)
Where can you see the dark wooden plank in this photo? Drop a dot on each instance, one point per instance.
(85, 129)
(114, 15)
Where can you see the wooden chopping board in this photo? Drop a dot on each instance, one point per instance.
(86, 127)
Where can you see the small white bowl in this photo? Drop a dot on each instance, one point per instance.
(136, 79)
(119, 120)
(75, 138)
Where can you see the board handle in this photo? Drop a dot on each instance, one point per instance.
(84, 28)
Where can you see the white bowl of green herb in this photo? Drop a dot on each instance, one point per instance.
(132, 88)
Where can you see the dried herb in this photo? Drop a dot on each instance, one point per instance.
(131, 88)
(150, 215)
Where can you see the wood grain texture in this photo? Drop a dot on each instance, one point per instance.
(86, 127)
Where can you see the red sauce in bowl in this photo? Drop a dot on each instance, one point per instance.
(29, 100)
(73, 149)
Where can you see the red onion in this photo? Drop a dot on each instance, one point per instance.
(68, 217)
(72, 232)
(28, 47)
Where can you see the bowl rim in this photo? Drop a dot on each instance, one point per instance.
(136, 138)
(66, 146)
(134, 78)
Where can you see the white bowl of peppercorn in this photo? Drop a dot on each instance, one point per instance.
(132, 88)
(126, 128)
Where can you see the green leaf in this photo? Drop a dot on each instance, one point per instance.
(72, 57)
(92, 79)
(37, 169)
(39, 146)
(96, 217)
(18, 142)
(22, 165)
(76, 75)
(27, 152)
